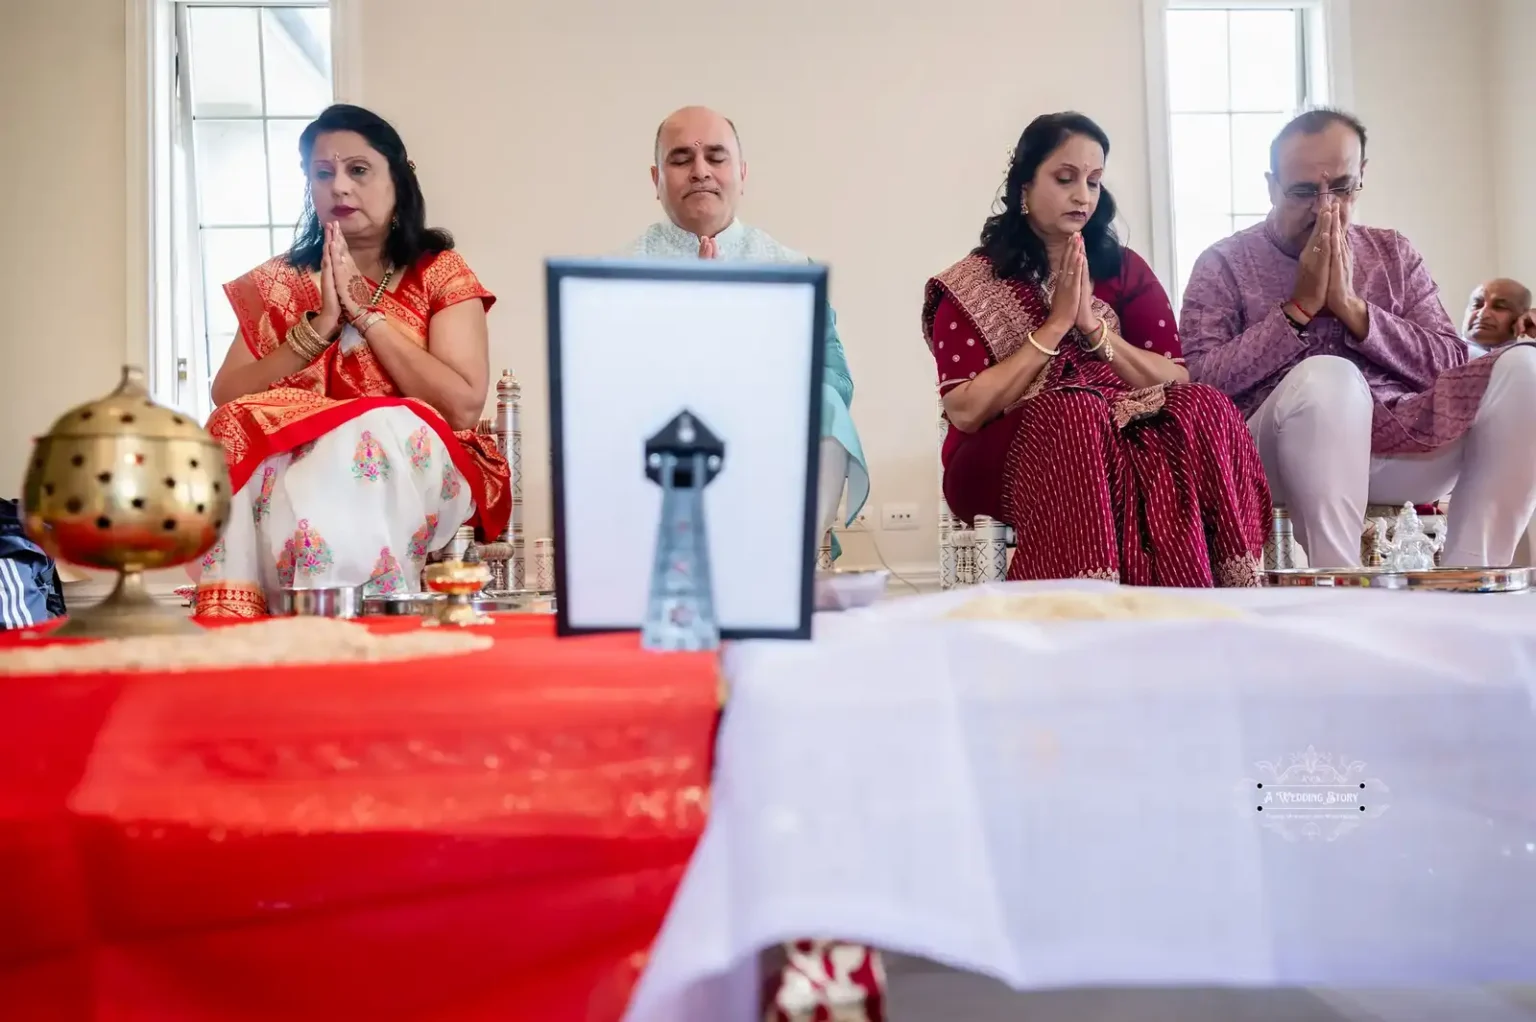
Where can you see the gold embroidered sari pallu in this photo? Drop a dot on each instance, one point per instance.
(339, 478)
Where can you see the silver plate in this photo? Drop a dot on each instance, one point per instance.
(401, 604)
(519, 602)
(1447, 580)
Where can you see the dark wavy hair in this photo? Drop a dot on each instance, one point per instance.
(1007, 240)
(409, 236)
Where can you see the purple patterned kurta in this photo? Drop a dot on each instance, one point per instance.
(1237, 340)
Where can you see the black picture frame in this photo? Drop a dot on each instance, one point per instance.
(813, 274)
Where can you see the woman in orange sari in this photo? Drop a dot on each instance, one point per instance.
(348, 402)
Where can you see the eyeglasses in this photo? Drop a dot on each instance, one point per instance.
(1311, 193)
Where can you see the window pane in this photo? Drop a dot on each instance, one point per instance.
(282, 239)
(1201, 151)
(1251, 136)
(287, 177)
(1197, 61)
(213, 357)
(225, 64)
(226, 255)
(297, 43)
(231, 172)
(1263, 56)
(1194, 234)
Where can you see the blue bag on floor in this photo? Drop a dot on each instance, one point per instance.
(30, 590)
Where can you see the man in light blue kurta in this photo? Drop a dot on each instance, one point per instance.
(699, 177)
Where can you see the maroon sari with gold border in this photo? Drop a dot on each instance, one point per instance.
(1155, 486)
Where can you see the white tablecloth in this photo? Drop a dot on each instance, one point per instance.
(1074, 805)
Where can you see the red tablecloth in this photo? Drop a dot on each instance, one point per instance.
(489, 836)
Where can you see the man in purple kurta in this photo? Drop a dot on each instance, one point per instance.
(1331, 338)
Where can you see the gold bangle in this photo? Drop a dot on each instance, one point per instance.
(296, 344)
(1103, 332)
(368, 320)
(1047, 352)
(305, 341)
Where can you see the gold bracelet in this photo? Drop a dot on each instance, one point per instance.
(305, 341)
(1103, 332)
(368, 320)
(297, 343)
(1047, 352)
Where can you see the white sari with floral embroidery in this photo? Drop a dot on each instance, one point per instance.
(340, 479)
(362, 505)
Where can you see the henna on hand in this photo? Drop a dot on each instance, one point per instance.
(358, 292)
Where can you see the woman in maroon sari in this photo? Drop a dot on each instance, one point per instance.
(1071, 415)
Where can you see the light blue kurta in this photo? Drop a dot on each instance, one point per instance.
(740, 243)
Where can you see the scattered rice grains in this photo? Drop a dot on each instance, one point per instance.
(289, 640)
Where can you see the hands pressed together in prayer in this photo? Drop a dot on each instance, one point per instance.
(708, 249)
(1072, 304)
(1526, 326)
(344, 291)
(1325, 274)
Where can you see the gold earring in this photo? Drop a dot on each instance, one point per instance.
(1024, 207)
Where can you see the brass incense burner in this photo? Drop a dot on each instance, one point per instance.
(460, 582)
(126, 485)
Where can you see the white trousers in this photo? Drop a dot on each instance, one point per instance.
(831, 478)
(1314, 436)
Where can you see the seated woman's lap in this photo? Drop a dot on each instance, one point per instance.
(1075, 487)
(366, 501)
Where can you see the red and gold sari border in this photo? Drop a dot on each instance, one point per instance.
(243, 600)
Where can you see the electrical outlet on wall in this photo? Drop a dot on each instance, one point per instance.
(898, 517)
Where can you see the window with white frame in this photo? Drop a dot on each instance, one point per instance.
(249, 77)
(1236, 72)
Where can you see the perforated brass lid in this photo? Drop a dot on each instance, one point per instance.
(127, 411)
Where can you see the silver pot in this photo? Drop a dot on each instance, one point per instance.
(333, 601)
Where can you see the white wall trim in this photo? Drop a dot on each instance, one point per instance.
(1333, 16)
(1160, 176)
(1341, 49)
(139, 155)
(147, 122)
(347, 51)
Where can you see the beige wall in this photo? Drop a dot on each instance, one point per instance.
(1511, 136)
(63, 214)
(875, 141)
(1422, 87)
(876, 136)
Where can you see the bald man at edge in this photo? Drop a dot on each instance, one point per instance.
(700, 178)
(1498, 312)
